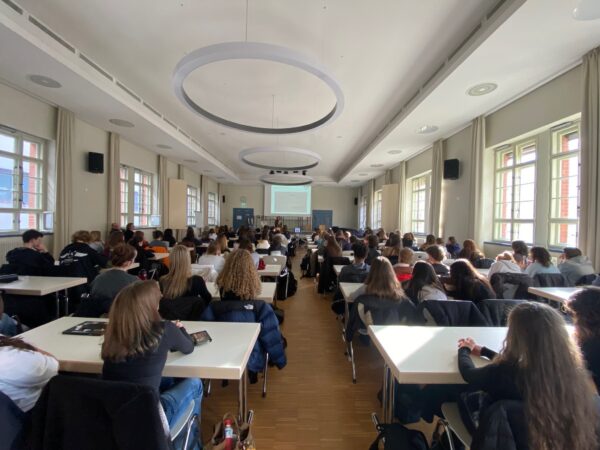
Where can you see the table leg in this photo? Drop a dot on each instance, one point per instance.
(66, 302)
(57, 294)
(243, 397)
(387, 395)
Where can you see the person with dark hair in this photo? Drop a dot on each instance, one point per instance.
(520, 253)
(158, 240)
(541, 262)
(408, 241)
(24, 371)
(435, 258)
(358, 269)
(538, 344)
(245, 244)
(424, 284)
(453, 247)
(33, 258)
(129, 230)
(78, 251)
(584, 306)
(168, 237)
(470, 251)
(429, 241)
(573, 265)
(190, 237)
(110, 282)
(467, 284)
(373, 251)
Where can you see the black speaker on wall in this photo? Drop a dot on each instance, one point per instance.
(355, 201)
(223, 199)
(451, 168)
(95, 162)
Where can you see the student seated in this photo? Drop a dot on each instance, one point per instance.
(466, 283)
(277, 246)
(158, 240)
(96, 241)
(403, 268)
(470, 251)
(408, 241)
(33, 258)
(392, 248)
(212, 257)
(453, 247)
(114, 227)
(505, 263)
(435, 256)
(520, 253)
(168, 237)
(110, 282)
(284, 240)
(359, 269)
(136, 344)
(538, 344)
(540, 262)
(429, 241)
(373, 251)
(223, 243)
(129, 231)
(263, 242)
(424, 284)
(115, 238)
(79, 252)
(180, 282)
(190, 237)
(573, 265)
(245, 244)
(381, 235)
(8, 325)
(212, 235)
(24, 371)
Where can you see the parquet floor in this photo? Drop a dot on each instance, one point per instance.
(312, 402)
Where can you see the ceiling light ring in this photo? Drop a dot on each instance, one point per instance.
(257, 51)
(270, 149)
(301, 180)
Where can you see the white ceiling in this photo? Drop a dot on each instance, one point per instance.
(379, 51)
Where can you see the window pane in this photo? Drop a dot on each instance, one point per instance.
(6, 221)
(523, 232)
(27, 221)
(502, 231)
(567, 142)
(7, 183)
(527, 153)
(31, 149)
(563, 234)
(505, 159)
(7, 144)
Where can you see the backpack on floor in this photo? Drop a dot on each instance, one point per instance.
(292, 284)
(395, 436)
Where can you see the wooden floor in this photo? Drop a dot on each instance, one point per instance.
(312, 402)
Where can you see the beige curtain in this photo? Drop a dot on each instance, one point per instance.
(180, 174)
(163, 189)
(114, 179)
(370, 192)
(437, 174)
(65, 129)
(401, 194)
(475, 211)
(589, 235)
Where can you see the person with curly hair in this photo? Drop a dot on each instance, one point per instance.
(239, 278)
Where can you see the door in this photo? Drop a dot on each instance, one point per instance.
(322, 217)
(243, 216)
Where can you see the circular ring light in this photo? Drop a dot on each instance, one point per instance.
(286, 180)
(253, 50)
(273, 153)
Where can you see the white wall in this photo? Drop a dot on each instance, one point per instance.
(25, 113)
(340, 200)
(419, 164)
(233, 199)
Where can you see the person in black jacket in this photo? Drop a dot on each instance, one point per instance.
(584, 305)
(373, 251)
(467, 284)
(79, 252)
(541, 366)
(33, 258)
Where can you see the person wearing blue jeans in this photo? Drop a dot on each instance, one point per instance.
(175, 395)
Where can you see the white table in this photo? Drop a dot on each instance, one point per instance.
(483, 272)
(337, 269)
(40, 286)
(270, 270)
(557, 294)
(224, 358)
(159, 256)
(131, 267)
(267, 293)
(348, 289)
(312, 246)
(426, 355)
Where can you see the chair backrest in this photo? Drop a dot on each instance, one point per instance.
(12, 421)
(75, 412)
(586, 280)
(496, 311)
(511, 285)
(387, 312)
(451, 313)
(262, 251)
(483, 263)
(502, 425)
(550, 280)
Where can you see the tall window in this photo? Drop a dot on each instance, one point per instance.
(22, 181)
(362, 213)
(192, 205)
(377, 209)
(142, 198)
(419, 203)
(211, 213)
(564, 189)
(514, 197)
(124, 195)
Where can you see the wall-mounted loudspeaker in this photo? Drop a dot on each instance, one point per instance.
(355, 201)
(223, 199)
(95, 162)
(451, 169)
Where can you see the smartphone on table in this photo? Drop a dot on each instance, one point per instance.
(201, 337)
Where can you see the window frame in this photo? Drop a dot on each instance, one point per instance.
(139, 219)
(124, 194)
(362, 212)
(413, 223)
(191, 205)
(211, 202)
(18, 192)
(377, 204)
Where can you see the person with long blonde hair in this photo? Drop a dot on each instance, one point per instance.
(239, 278)
(541, 366)
(137, 342)
(381, 282)
(180, 282)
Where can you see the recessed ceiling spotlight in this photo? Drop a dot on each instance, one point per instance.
(354, 181)
(376, 165)
(482, 89)
(395, 152)
(44, 81)
(426, 129)
(121, 123)
(207, 170)
(164, 146)
(193, 161)
(363, 174)
(339, 137)
(222, 133)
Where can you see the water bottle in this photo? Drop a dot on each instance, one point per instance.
(228, 435)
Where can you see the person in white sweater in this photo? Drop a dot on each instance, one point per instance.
(505, 263)
(213, 257)
(24, 371)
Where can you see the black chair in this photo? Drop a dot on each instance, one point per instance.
(93, 306)
(496, 311)
(262, 251)
(586, 280)
(483, 263)
(550, 280)
(182, 308)
(451, 313)
(511, 285)
(12, 424)
(327, 275)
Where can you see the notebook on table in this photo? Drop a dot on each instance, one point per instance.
(88, 328)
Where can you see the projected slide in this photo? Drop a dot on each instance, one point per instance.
(290, 200)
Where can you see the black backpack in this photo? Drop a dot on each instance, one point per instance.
(397, 437)
(292, 284)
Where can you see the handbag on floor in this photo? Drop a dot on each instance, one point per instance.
(242, 436)
(395, 436)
